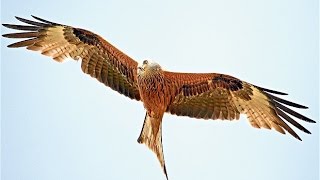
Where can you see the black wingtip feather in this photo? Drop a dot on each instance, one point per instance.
(283, 111)
(21, 27)
(45, 21)
(6, 25)
(293, 113)
(271, 91)
(21, 35)
(23, 43)
(292, 121)
(27, 21)
(289, 103)
(4, 35)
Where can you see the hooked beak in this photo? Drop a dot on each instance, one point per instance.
(140, 70)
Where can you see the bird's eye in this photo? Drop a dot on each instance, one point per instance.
(145, 62)
(140, 68)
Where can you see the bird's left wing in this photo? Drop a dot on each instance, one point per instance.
(218, 96)
(100, 59)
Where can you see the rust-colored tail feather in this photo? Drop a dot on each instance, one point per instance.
(151, 136)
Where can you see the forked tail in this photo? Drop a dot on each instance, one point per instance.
(151, 136)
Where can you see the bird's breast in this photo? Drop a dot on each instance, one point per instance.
(155, 93)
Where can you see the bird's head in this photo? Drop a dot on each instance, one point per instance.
(148, 68)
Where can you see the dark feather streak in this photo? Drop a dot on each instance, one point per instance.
(286, 102)
(27, 42)
(86, 37)
(292, 121)
(45, 21)
(270, 91)
(21, 35)
(31, 22)
(21, 27)
(293, 113)
(227, 82)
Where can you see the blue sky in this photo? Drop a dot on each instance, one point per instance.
(58, 123)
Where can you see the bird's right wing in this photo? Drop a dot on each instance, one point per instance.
(218, 96)
(100, 59)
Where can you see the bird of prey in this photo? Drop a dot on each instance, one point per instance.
(196, 95)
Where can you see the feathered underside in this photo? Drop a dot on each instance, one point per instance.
(100, 59)
(202, 96)
(218, 96)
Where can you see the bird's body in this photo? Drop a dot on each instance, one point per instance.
(196, 95)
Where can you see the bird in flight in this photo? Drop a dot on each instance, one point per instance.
(196, 95)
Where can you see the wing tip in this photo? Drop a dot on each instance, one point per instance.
(303, 107)
(6, 25)
(35, 17)
(295, 135)
(13, 45)
(45, 21)
(271, 91)
(311, 121)
(5, 35)
(18, 18)
(298, 138)
(10, 46)
(21, 19)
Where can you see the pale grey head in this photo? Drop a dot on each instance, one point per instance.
(148, 67)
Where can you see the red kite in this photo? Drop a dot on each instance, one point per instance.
(197, 95)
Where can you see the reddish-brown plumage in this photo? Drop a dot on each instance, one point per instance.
(100, 59)
(156, 92)
(196, 95)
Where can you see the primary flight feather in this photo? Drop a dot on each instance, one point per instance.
(197, 95)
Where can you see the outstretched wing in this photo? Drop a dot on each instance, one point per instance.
(100, 59)
(217, 96)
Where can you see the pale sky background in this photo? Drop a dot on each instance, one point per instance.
(58, 123)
